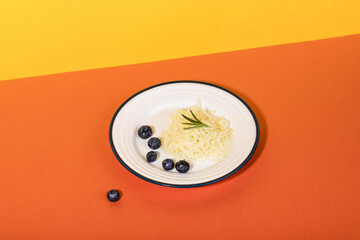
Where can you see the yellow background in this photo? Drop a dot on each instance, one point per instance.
(43, 37)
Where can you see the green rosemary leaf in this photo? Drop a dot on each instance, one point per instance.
(190, 124)
(189, 119)
(194, 123)
(195, 117)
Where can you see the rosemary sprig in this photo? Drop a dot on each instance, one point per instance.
(194, 123)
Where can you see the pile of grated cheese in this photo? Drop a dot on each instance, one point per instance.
(200, 144)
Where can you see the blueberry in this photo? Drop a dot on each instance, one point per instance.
(113, 195)
(151, 156)
(145, 132)
(182, 166)
(154, 143)
(168, 164)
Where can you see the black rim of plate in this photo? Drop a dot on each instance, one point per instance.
(185, 185)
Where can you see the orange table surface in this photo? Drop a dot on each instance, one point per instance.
(302, 183)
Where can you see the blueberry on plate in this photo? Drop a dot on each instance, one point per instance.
(113, 195)
(154, 143)
(145, 132)
(151, 156)
(182, 166)
(168, 164)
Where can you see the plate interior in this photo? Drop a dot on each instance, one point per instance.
(155, 107)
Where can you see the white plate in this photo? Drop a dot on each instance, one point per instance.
(155, 105)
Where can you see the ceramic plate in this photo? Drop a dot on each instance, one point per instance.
(155, 105)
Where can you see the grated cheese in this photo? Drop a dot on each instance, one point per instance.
(200, 144)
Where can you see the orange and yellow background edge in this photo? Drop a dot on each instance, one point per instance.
(42, 37)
